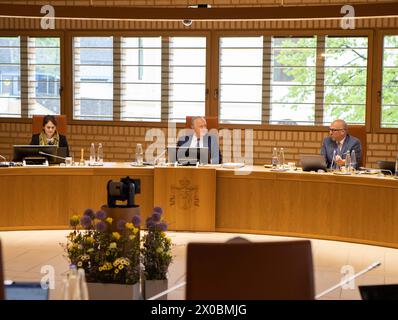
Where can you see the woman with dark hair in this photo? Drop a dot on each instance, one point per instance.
(49, 135)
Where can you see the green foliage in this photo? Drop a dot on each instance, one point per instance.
(345, 88)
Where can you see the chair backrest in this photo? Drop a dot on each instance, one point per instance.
(360, 133)
(37, 124)
(212, 122)
(2, 295)
(250, 271)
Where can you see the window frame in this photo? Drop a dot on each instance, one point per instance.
(373, 110)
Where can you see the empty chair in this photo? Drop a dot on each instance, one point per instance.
(250, 271)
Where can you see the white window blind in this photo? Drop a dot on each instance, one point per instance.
(187, 81)
(93, 78)
(240, 79)
(141, 78)
(10, 77)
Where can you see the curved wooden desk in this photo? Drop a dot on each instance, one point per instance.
(361, 209)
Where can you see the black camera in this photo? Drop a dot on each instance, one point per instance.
(123, 190)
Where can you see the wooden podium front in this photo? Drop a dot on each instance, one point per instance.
(187, 196)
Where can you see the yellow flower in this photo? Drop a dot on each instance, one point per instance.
(90, 250)
(121, 267)
(112, 245)
(159, 250)
(109, 220)
(131, 237)
(100, 268)
(129, 225)
(116, 235)
(116, 270)
(90, 240)
(74, 220)
(79, 264)
(135, 230)
(163, 234)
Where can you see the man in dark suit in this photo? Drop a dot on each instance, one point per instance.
(201, 138)
(336, 146)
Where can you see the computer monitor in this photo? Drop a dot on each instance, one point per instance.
(25, 291)
(312, 162)
(23, 151)
(188, 156)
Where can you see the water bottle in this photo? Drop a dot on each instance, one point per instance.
(82, 284)
(100, 154)
(139, 154)
(275, 160)
(92, 153)
(348, 162)
(282, 157)
(396, 167)
(72, 285)
(353, 160)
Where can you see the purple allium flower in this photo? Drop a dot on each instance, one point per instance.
(100, 226)
(162, 226)
(120, 224)
(89, 213)
(101, 214)
(156, 216)
(158, 209)
(150, 223)
(85, 221)
(136, 221)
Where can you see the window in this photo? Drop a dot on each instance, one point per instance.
(141, 79)
(293, 67)
(389, 103)
(241, 74)
(346, 60)
(10, 77)
(93, 78)
(44, 75)
(187, 81)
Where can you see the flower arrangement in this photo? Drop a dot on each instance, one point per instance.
(106, 256)
(156, 250)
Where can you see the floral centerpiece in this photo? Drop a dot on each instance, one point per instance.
(106, 256)
(156, 250)
(155, 256)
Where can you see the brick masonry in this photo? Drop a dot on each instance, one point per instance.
(119, 142)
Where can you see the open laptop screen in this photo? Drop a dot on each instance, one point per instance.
(25, 291)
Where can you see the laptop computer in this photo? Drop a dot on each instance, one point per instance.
(25, 291)
(379, 292)
(312, 162)
(188, 156)
(387, 165)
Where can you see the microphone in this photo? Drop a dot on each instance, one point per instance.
(343, 282)
(51, 155)
(334, 154)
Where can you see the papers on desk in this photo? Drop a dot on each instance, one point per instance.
(233, 165)
(135, 164)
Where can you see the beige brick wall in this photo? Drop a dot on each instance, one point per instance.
(119, 142)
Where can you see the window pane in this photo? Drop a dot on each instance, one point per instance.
(241, 74)
(389, 105)
(293, 80)
(44, 75)
(93, 78)
(10, 77)
(187, 90)
(345, 79)
(141, 79)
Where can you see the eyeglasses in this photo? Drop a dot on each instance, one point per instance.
(333, 129)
